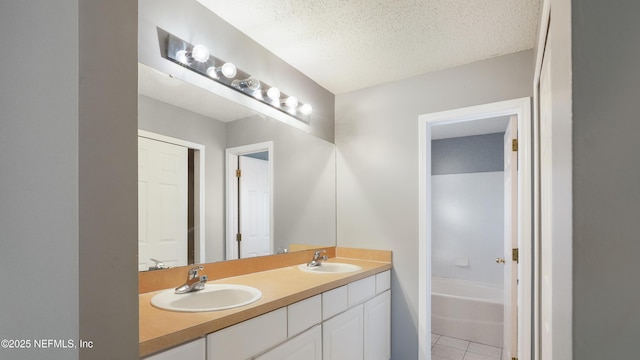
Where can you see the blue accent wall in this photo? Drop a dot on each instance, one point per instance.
(467, 154)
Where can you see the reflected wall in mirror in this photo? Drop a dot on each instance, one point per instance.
(303, 172)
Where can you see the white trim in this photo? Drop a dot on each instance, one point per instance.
(522, 108)
(199, 188)
(559, 212)
(545, 13)
(231, 156)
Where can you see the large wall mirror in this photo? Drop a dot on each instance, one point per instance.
(194, 133)
(190, 144)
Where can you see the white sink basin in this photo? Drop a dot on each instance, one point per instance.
(213, 297)
(330, 268)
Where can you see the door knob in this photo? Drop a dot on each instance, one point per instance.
(501, 260)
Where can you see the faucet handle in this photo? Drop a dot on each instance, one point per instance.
(193, 272)
(318, 252)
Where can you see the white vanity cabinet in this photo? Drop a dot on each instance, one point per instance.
(191, 350)
(352, 322)
(363, 331)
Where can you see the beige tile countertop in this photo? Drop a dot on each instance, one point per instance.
(161, 329)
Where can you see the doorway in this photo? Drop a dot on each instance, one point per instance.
(462, 118)
(170, 201)
(249, 176)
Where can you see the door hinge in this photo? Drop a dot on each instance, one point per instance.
(238, 237)
(514, 145)
(238, 173)
(515, 255)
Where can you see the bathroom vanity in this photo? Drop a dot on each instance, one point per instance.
(302, 314)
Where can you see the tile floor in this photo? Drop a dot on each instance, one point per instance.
(448, 348)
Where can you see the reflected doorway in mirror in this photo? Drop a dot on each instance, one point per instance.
(249, 200)
(170, 201)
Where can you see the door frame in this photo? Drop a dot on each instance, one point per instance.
(560, 212)
(522, 108)
(198, 188)
(231, 156)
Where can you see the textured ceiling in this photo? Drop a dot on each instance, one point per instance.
(346, 45)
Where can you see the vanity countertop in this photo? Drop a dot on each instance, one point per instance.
(162, 329)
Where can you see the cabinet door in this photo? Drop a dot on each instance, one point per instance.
(307, 346)
(343, 336)
(194, 350)
(248, 338)
(377, 327)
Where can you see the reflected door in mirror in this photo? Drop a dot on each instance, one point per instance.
(254, 207)
(162, 203)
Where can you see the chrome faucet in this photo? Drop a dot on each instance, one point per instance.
(194, 282)
(316, 261)
(159, 265)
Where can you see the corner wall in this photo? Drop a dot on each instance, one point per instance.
(377, 166)
(107, 178)
(606, 176)
(68, 208)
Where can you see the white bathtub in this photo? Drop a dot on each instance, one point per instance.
(467, 310)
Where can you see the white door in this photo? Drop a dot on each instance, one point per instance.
(510, 242)
(162, 203)
(254, 207)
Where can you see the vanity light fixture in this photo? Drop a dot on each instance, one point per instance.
(198, 59)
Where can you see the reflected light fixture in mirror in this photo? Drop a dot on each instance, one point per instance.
(197, 58)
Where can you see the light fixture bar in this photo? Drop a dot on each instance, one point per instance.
(198, 59)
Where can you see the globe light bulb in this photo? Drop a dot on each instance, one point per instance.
(228, 70)
(273, 93)
(291, 102)
(306, 109)
(181, 56)
(200, 53)
(212, 71)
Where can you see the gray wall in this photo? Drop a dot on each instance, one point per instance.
(304, 188)
(377, 166)
(169, 120)
(194, 23)
(68, 185)
(606, 176)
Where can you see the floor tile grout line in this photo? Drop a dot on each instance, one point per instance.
(466, 351)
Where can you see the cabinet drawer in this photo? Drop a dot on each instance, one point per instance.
(248, 338)
(383, 282)
(304, 314)
(361, 290)
(195, 350)
(334, 302)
